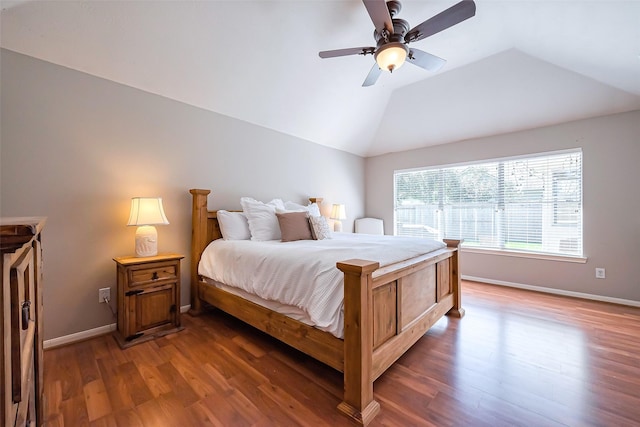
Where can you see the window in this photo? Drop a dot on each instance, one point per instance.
(529, 204)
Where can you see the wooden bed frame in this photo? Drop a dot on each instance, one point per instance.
(386, 310)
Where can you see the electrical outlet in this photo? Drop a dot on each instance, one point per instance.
(600, 273)
(104, 293)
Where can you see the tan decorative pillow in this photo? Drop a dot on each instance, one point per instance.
(294, 226)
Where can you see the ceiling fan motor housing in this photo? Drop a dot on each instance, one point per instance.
(400, 28)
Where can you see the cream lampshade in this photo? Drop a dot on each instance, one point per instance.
(338, 214)
(145, 213)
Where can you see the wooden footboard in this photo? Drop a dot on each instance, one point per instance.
(386, 310)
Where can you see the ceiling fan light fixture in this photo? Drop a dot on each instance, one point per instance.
(391, 56)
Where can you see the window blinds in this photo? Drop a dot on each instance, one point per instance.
(531, 203)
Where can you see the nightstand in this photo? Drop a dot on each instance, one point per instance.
(148, 297)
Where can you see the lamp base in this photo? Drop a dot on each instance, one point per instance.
(337, 226)
(146, 241)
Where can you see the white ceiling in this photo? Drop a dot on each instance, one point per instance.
(515, 65)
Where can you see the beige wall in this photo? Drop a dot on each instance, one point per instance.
(611, 178)
(76, 148)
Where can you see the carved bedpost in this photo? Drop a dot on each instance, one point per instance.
(198, 242)
(358, 400)
(457, 310)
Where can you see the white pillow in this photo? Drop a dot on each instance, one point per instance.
(319, 228)
(262, 219)
(233, 225)
(312, 208)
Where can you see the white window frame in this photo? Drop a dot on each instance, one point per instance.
(434, 225)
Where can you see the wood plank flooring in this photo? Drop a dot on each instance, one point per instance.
(518, 358)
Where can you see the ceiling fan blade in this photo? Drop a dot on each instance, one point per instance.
(379, 14)
(445, 19)
(373, 75)
(425, 60)
(348, 51)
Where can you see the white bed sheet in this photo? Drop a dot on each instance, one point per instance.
(303, 274)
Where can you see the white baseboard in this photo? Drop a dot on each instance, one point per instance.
(91, 333)
(79, 336)
(554, 291)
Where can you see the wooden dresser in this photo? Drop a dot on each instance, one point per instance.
(21, 300)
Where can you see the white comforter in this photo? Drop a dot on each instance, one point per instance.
(304, 273)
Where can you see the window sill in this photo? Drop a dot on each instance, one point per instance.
(530, 255)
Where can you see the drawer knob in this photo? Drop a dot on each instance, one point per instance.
(154, 276)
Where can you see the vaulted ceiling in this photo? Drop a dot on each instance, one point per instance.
(515, 65)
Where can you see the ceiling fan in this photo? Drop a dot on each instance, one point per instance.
(393, 35)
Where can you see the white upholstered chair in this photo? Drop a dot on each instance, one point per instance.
(369, 226)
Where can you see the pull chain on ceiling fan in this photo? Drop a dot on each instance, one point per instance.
(393, 36)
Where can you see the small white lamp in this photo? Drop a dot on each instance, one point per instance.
(145, 213)
(338, 214)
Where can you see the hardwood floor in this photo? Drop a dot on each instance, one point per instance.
(517, 358)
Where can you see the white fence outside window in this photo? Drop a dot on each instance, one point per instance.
(528, 204)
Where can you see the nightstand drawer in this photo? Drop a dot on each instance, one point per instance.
(152, 273)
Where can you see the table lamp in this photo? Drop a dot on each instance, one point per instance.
(338, 214)
(145, 213)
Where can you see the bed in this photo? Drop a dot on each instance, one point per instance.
(386, 310)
